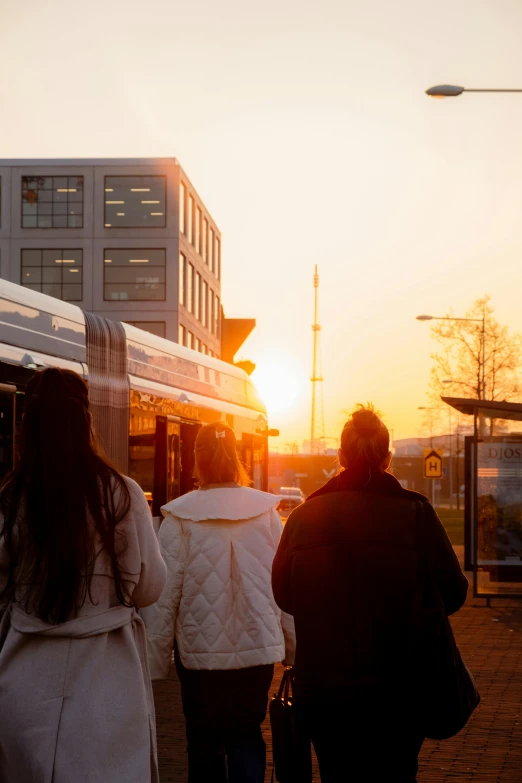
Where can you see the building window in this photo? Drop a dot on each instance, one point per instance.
(218, 318)
(153, 327)
(182, 335)
(136, 274)
(198, 230)
(57, 273)
(205, 239)
(204, 303)
(182, 203)
(191, 342)
(190, 219)
(211, 248)
(135, 202)
(212, 322)
(210, 352)
(182, 279)
(198, 345)
(197, 296)
(190, 288)
(217, 259)
(52, 202)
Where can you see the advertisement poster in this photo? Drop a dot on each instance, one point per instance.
(499, 503)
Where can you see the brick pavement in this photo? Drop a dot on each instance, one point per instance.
(488, 750)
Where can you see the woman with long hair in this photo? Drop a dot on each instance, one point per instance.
(218, 611)
(346, 569)
(78, 555)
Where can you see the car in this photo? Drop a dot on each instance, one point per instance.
(292, 492)
(291, 497)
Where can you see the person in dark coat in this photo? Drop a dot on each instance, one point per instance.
(346, 569)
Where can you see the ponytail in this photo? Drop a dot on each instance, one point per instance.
(216, 457)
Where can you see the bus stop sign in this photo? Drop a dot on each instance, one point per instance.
(432, 464)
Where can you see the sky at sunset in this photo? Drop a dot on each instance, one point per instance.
(305, 129)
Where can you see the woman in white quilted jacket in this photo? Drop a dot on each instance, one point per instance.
(218, 612)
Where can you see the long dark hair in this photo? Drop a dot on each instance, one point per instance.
(61, 503)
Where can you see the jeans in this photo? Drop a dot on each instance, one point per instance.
(224, 710)
(360, 741)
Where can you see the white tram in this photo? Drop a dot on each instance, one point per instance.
(148, 396)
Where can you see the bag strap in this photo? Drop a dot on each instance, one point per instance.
(286, 682)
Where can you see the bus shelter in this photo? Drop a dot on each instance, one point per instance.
(493, 500)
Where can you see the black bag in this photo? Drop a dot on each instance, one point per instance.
(291, 747)
(444, 691)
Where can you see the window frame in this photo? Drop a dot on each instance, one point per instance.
(134, 250)
(182, 207)
(182, 278)
(62, 268)
(110, 226)
(137, 325)
(23, 181)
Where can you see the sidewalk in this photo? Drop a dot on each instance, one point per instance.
(488, 750)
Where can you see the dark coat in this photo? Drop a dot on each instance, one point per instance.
(346, 569)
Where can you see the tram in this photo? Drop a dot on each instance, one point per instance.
(148, 396)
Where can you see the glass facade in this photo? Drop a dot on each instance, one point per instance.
(52, 202)
(182, 207)
(135, 202)
(136, 274)
(57, 273)
(154, 327)
(182, 278)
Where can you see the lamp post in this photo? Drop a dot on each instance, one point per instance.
(452, 90)
(450, 383)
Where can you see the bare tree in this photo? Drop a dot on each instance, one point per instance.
(482, 370)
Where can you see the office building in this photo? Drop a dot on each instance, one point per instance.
(128, 239)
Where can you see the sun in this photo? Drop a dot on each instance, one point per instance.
(277, 386)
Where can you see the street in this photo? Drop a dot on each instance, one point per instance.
(488, 750)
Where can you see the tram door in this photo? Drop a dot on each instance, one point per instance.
(8, 426)
(189, 430)
(254, 456)
(166, 462)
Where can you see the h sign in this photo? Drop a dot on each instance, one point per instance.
(432, 464)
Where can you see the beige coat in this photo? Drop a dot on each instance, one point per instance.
(75, 699)
(219, 544)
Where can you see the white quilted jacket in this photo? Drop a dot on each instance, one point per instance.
(219, 544)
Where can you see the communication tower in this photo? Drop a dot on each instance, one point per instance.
(316, 373)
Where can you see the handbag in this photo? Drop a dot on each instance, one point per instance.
(291, 747)
(444, 690)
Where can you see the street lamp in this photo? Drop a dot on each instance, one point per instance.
(482, 394)
(451, 90)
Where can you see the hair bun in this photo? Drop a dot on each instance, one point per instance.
(366, 422)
